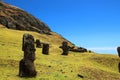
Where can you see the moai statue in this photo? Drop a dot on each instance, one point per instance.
(65, 48)
(118, 50)
(119, 66)
(38, 44)
(26, 65)
(45, 49)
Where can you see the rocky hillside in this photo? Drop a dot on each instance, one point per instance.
(15, 18)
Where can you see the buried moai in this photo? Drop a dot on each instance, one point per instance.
(45, 49)
(65, 48)
(26, 65)
(38, 43)
(118, 50)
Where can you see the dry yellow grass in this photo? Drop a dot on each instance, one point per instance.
(54, 66)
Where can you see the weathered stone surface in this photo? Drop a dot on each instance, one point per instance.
(45, 49)
(119, 67)
(118, 50)
(15, 18)
(79, 49)
(28, 47)
(65, 48)
(38, 43)
(79, 75)
(26, 65)
(27, 69)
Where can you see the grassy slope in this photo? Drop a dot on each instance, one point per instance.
(54, 66)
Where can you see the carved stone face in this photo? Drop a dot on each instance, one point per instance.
(28, 47)
(64, 43)
(28, 42)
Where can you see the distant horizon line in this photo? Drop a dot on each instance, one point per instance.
(104, 50)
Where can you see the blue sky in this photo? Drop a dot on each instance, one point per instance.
(93, 24)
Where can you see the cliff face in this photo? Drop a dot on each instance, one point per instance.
(15, 18)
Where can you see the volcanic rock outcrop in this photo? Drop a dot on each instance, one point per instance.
(14, 18)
